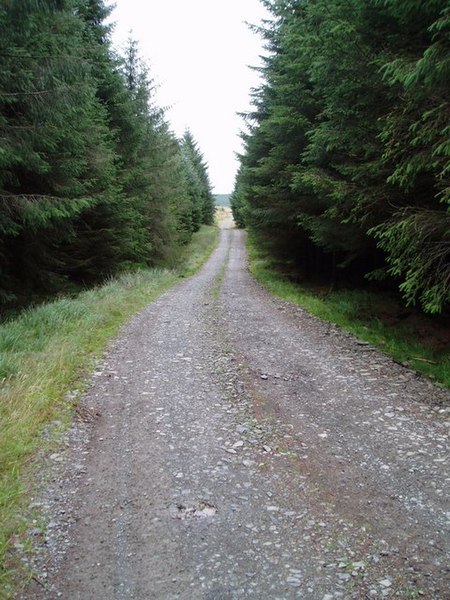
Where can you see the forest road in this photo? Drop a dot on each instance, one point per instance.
(244, 449)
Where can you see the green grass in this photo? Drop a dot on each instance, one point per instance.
(194, 256)
(417, 341)
(51, 349)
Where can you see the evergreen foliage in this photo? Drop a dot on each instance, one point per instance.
(196, 173)
(346, 161)
(92, 180)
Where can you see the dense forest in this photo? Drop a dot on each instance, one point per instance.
(92, 179)
(345, 169)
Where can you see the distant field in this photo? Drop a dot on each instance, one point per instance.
(224, 217)
(222, 199)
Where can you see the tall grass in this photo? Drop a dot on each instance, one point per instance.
(363, 313)
(49, 350)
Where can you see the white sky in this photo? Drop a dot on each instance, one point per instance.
(198, 52)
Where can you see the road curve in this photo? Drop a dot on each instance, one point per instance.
(243, 449)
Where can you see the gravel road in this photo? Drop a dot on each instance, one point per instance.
(232, 446)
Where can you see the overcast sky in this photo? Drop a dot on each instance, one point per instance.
(198, 52)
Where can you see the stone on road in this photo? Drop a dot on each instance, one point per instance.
(244, 449)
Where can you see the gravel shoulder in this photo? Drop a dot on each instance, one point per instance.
(232, 446)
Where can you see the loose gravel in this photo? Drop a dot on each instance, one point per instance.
(233, 446)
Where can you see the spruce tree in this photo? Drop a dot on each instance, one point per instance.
(57, 161)
(199, 187)
(346, 158)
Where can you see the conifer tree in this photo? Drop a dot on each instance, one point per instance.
(199, 187)
(92, 180)
(57, 162)
(346, 158)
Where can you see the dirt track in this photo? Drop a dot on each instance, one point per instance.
(244, 449)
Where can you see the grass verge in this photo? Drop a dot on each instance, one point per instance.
(415, 340)
(51, 349)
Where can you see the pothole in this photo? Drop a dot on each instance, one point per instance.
(202, 510)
